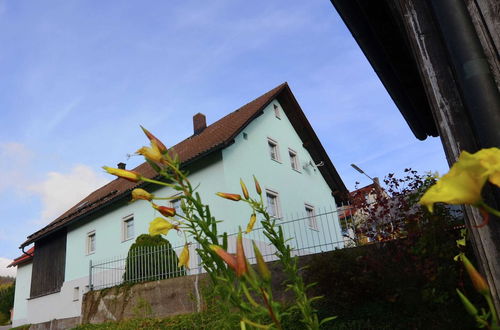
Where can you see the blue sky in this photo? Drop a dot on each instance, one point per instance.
(79, 77)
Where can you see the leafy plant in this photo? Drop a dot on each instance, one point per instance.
(151, 258)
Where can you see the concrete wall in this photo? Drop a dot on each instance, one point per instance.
(22, 293)
(152, 299)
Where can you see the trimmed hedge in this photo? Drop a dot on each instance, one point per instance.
(146, 263)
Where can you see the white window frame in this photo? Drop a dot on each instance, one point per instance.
(88, 242)
(277, 112)
(277, 210)
(312, 221)
(125, 220)
(76, 293)
(271, 143)
(294, 159)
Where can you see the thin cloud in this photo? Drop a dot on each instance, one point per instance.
(4, 271)
(61, 191)
(16, 160)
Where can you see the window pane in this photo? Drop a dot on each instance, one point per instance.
(272, 205)
(272, 151)
(129, 229)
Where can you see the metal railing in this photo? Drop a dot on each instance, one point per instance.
(307, 235)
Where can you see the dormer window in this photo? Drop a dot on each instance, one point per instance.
(273, 149)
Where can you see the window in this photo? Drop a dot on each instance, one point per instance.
(128, 231)
(294, 161)
(277, 111)
(76, 293)
(273, 149)
(311, 217)
(273, 207)
(90, 246)
(176, 204)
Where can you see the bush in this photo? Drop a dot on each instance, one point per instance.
(6, 303)
(151, 258)
(401, 284)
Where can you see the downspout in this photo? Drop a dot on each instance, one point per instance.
(481, 100)
(472, 72)
(26, 253)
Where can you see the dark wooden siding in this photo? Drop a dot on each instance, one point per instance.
(49, 264)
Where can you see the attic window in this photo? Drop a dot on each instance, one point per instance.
(277, 111)
(273, 149)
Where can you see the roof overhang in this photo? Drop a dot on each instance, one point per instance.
(382, 38)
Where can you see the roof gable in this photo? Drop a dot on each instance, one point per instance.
(214, 137)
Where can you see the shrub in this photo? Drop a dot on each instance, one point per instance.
(151, 258)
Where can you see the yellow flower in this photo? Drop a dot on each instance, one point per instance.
(124, 174)
(161, 147)
(233, 197)
(152, 153)
(490, 160)
(139, 193)
(160, 226)
(461, 185)
(184, 257)
(251, 223)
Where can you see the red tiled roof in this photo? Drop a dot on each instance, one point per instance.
(214, 137)
(23, 258)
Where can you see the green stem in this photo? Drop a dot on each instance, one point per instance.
(158, 182)
(488, 208)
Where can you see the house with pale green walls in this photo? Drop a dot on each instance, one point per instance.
(269, 137)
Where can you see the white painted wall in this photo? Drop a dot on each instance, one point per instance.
(22, 293)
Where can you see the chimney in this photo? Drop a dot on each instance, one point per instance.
(121, 166)
(199, 123)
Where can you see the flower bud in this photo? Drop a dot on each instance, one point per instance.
(139, 193)
(244, 189)
(257, 186)
(228, 258)
(233, 197)
(165, 211)
(241, 260)
(251, 223)
(477, 279)
(124, 174)
(161, 147)
(261, 264)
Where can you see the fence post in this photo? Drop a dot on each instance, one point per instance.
(91, 286)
